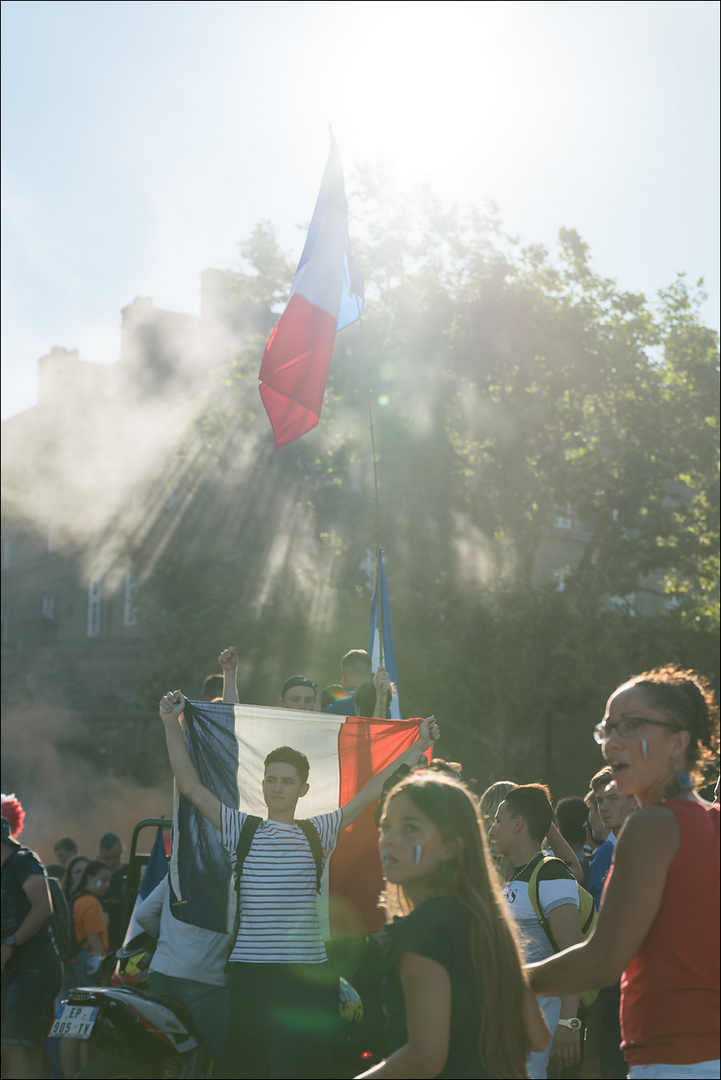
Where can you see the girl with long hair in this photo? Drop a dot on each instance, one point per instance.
(658, 927)
(90, 923)
(71, 878)
(456, 999)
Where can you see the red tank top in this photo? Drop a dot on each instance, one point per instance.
(670, 990)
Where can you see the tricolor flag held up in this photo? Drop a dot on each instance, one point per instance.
(326, 295)
(228, 744)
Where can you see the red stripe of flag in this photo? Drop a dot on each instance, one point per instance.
(294, 369)
(356, 879)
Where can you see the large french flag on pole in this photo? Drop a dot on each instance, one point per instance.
(326, 295)
(381, 617)
(228, 744)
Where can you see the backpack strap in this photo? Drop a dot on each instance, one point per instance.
(533, 896)
(250, 828)
(311, 834)
(585, 901)
(247, 833)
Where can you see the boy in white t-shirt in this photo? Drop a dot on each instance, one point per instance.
(522, 821)
(282, 999)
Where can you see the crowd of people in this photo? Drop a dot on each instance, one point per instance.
(59, 923)
(521, 940)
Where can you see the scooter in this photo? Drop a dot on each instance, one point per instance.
(131, 1035)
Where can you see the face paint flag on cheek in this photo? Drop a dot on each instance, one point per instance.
(417, 853)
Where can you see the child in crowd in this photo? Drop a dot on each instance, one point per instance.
(456, 999)
(279, 969)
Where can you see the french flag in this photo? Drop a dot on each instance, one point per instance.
(326, 295)
(228, 745)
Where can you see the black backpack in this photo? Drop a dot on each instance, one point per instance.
(250, 827)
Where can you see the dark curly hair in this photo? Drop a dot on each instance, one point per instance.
(687, 699)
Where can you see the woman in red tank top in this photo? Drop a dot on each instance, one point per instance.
(659, 922)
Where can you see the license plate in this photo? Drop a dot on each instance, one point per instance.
(74, 1022)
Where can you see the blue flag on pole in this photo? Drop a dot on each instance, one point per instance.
(389, 652)
(155, 871)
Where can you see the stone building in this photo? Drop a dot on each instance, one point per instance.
(81, 471)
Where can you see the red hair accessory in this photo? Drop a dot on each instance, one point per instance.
(11, 809)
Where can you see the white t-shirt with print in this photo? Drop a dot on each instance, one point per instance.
(554, 890)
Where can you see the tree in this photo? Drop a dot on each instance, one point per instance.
(510, 385)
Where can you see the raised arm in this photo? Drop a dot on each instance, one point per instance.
(563, 851)
(371, 792)
(228, 661)
(172, 705)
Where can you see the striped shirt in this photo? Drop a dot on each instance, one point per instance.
(278, 896)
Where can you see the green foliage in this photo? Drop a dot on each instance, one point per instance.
(512, 387)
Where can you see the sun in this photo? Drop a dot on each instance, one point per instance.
(445, 93)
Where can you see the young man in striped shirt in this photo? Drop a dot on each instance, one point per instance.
(283, 1000)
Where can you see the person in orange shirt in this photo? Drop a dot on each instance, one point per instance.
(91, 923)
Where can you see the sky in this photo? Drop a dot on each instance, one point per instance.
(142, 141)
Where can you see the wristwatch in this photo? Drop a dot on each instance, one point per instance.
(574, 1023)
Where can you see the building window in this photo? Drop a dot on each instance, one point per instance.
(130, 615)
(48, 605)
(94, 603)
(562, 518)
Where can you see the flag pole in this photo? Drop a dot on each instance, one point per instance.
(374, 457)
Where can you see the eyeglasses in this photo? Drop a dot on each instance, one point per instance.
(627, 728)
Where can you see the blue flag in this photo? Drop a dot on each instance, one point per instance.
(389, 652)
(155, 871)
(156, 868)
